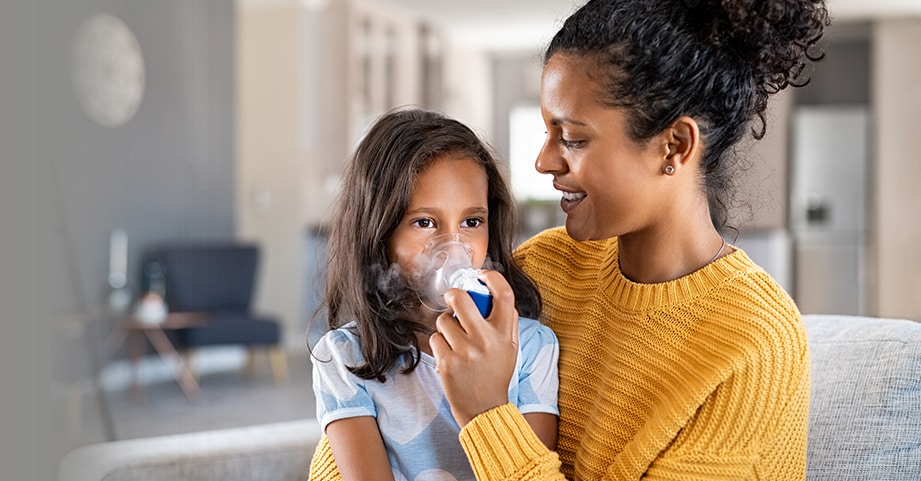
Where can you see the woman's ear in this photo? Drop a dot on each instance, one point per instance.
(682, 140)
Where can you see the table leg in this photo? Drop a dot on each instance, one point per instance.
(180, 371)
(136, 351)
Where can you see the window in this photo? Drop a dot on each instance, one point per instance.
(526, 137)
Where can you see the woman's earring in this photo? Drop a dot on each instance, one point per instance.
(669, 169)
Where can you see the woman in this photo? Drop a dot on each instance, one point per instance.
(679, 357)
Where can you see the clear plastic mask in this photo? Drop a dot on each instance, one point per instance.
(447, 262)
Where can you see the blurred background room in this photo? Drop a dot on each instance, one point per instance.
(131, 126)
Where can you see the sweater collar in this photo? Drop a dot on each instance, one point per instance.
(638, 297)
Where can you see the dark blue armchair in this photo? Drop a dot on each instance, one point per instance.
(218, 279)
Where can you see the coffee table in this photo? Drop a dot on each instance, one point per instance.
(131, 327)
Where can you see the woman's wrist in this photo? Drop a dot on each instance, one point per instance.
(464, 419)
(501, 438)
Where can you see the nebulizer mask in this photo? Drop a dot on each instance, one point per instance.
(446, 263)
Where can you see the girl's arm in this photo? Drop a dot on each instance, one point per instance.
(545, 427)
(358, 449)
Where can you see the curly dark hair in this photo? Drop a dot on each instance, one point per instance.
(716, 61)
(373, 198)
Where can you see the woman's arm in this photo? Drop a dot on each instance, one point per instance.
(358, 449)
(475, 359)
(502, 446)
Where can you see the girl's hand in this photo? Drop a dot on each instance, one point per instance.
(476, 357)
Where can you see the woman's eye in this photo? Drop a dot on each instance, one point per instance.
(571, 144)
(424, 223)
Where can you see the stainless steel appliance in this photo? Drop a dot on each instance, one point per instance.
(829, 208)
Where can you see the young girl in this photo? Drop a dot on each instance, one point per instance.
(415, 179)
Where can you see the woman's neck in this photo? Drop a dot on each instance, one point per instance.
(670, 250)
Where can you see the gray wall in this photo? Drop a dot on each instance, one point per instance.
(65, 182)
(22, 399)
(168, 174)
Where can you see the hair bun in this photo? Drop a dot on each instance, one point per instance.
(776, 37)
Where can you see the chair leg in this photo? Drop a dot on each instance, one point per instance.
(250, 367)
(279, 364)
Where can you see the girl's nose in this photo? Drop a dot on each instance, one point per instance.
(448, 235)
(452, 231)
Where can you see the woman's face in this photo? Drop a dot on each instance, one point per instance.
(449, 196)
(607, 179)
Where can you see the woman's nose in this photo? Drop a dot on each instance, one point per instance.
(548, 160)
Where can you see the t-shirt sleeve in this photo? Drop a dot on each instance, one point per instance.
(538, 378)
(339, 393)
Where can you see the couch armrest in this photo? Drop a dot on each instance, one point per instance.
(278, 451)
(865, 415)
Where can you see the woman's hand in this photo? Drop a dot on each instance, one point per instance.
(476, 357)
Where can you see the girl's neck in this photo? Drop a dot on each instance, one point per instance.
(424, 345)
(426, 318)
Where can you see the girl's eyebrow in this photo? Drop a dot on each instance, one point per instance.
(421, 210)
(431, 210)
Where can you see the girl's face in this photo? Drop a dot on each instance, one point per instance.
(607, 179)
(449, 196)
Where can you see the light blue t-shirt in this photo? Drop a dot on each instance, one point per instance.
(413, 415)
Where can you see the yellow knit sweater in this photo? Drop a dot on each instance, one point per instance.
(704, 377)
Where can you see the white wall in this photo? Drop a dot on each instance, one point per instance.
(897, 209)
(468, 86)
(272, 164)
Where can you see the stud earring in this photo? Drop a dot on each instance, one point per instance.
(669, 169)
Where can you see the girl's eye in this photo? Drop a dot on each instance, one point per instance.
(424, 223)
(473, 222)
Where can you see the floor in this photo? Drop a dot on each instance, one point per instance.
(228, 398)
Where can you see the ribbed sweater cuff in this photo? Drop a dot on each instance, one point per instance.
(500, 443)
(323, 467)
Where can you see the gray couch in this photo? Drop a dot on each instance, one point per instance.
(865, 421)
(865, 416)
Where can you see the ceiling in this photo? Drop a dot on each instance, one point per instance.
(499, 25)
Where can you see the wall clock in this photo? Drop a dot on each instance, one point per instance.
(107, 70)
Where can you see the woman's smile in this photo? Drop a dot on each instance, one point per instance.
(571, 200)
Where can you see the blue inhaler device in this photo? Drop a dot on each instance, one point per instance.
(465, 278)
(447, 263)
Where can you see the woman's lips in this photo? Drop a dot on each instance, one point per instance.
(571, 200)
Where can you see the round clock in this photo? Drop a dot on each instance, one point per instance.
(107, 70)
